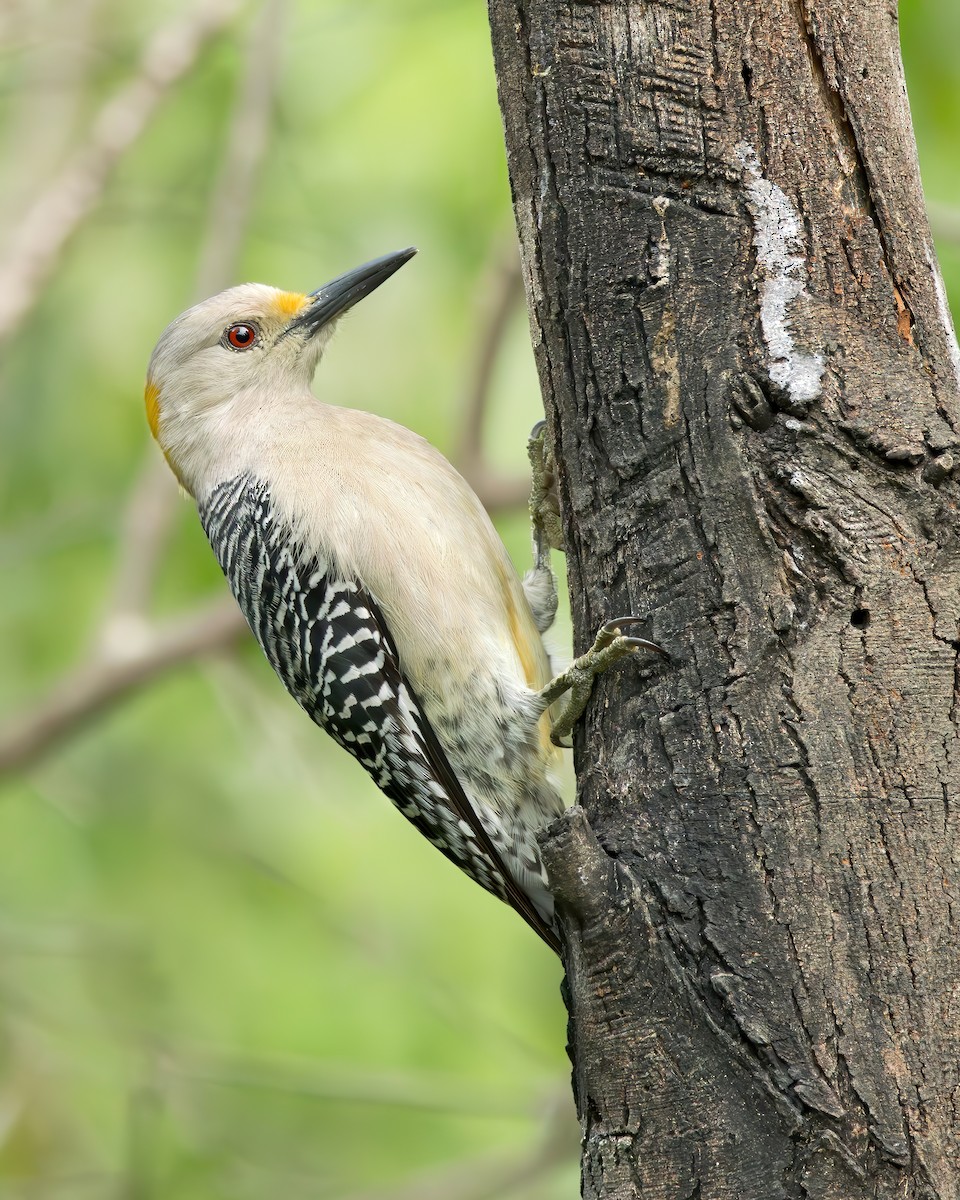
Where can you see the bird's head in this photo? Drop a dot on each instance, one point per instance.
(241, 349)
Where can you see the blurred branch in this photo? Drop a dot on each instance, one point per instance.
(144, 534)
(152, 503)
(500, 291)
(129, 649)
(147, 652)
(43, 118)
(37, 243)
(346, 1084)
(247, 141)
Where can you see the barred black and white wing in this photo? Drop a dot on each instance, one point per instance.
(325, 636)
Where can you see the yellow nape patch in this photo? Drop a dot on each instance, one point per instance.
(520, 635)
(288, 304)
(151, 399)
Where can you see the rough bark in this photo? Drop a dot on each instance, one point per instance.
(751, 382)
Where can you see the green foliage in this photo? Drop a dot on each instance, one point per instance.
(227, 968)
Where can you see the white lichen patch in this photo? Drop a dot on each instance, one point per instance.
(664, 353)
(779, 243)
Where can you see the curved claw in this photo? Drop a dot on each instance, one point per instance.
(615, 623)
(610, 646)
(613, 627)
(643, 644)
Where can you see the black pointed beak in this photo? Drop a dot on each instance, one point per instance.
(343, 292)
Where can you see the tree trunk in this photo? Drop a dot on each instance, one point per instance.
(751, 384)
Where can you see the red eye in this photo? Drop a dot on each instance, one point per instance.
(241, 337)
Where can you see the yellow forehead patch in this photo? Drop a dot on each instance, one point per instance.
(151, 400)
(288, 304)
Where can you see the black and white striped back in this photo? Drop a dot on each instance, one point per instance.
(326, 637)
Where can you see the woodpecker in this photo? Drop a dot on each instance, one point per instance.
(374, 581)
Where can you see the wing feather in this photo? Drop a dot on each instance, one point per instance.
(327, 638)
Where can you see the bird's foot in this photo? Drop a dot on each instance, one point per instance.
(576, 682)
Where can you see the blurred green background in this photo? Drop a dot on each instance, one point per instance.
(227, 967)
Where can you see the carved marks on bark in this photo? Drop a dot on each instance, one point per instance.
(757, 449)
(663, 117)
